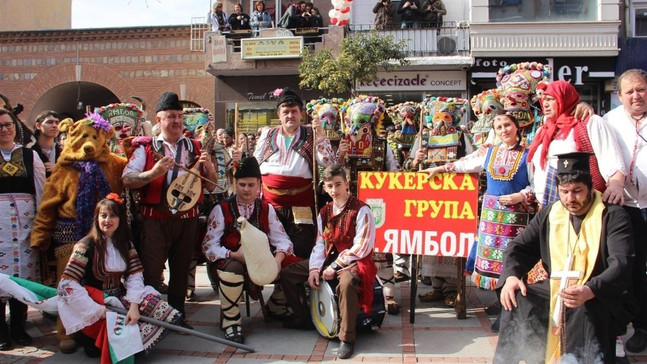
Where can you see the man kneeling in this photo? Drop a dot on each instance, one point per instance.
(343, 251)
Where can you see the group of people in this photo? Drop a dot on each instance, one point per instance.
(412, 14)
(296, 15)
(570, 279)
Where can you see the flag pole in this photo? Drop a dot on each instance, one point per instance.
(184, 330)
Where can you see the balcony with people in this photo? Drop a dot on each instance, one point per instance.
(271, 44)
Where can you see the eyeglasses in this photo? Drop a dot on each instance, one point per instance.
(9, 126)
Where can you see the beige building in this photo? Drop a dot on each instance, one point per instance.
(17, 15)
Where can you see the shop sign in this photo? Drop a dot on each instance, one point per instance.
(416, 81)
(271, 48)
(218, 48)
(575, 70)
(266, 96)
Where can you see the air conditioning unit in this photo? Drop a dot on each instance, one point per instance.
(447, 45)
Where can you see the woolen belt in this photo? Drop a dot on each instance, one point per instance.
(288, 191)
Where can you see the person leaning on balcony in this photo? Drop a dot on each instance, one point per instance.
(260, 18)
(384, 11)
(218, 18)
(432, 13)
(316, 20)
(409, 11)
(239, 20)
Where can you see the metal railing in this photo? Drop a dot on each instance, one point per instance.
(199, 26)
(311, 36)
(451, 39)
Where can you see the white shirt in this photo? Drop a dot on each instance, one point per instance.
(629, 142)
(363, 242)
(287, 162)
(604, 145)
(214, 250)
(77, 310)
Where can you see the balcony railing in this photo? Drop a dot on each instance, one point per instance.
(452, 39)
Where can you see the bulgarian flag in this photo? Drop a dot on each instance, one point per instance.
(44, 298)
(41, 297)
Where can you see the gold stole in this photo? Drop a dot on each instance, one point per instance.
(584, 256)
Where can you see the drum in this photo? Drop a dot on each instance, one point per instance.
(325, 311)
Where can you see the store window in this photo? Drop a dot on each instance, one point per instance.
(640, 21)
(251, 116)
(543, 10)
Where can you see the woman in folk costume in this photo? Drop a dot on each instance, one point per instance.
(508, 201)
(105, 262)
(22, 176)
(563, 133)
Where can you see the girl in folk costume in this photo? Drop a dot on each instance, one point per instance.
(508, 200)
(563, 133)
(105, 262)
(22, 176)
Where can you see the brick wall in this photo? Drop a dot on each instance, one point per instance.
(144, 61)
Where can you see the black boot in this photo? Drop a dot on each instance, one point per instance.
(17, 323)
(5, 341)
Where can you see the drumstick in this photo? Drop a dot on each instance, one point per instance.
(187, 170)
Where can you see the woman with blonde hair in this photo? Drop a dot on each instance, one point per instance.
(218, 18)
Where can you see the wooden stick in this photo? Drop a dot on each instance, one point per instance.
(188, 170)
(184, 330)
(422, 117)
(314, 172)
(236, 116)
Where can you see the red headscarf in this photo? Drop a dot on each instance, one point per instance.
(567, 98)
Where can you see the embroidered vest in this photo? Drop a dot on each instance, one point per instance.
(86, 270)
(341, 227)
(16, 175)
(585, 144)
(259, 218)
(153, 192)
(303, 146)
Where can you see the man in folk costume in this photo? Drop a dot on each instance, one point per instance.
(286, 154)
(166, 233)
(586, 245)
(343, 251)
(629, 122)
(222, 243)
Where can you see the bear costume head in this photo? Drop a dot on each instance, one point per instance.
(87, 139)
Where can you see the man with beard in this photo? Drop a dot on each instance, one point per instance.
(586, 245)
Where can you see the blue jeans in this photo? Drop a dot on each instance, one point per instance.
(409, 24)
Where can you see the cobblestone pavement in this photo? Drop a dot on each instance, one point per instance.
(436, 336)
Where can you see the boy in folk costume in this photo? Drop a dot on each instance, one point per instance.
(222, 243)
(343, 251)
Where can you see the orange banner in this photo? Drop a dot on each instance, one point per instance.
(418, 215)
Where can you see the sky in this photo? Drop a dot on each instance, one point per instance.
(133, 13)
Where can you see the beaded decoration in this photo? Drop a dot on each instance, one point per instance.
(363, 118)
(406, 117)
(194, 120)
(328, 111)
(517, 84)
(484, 105)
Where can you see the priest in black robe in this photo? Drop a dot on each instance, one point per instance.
(590, 243)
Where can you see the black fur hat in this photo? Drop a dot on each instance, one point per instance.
(168, 101)
(248, 167)
(290, 97)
